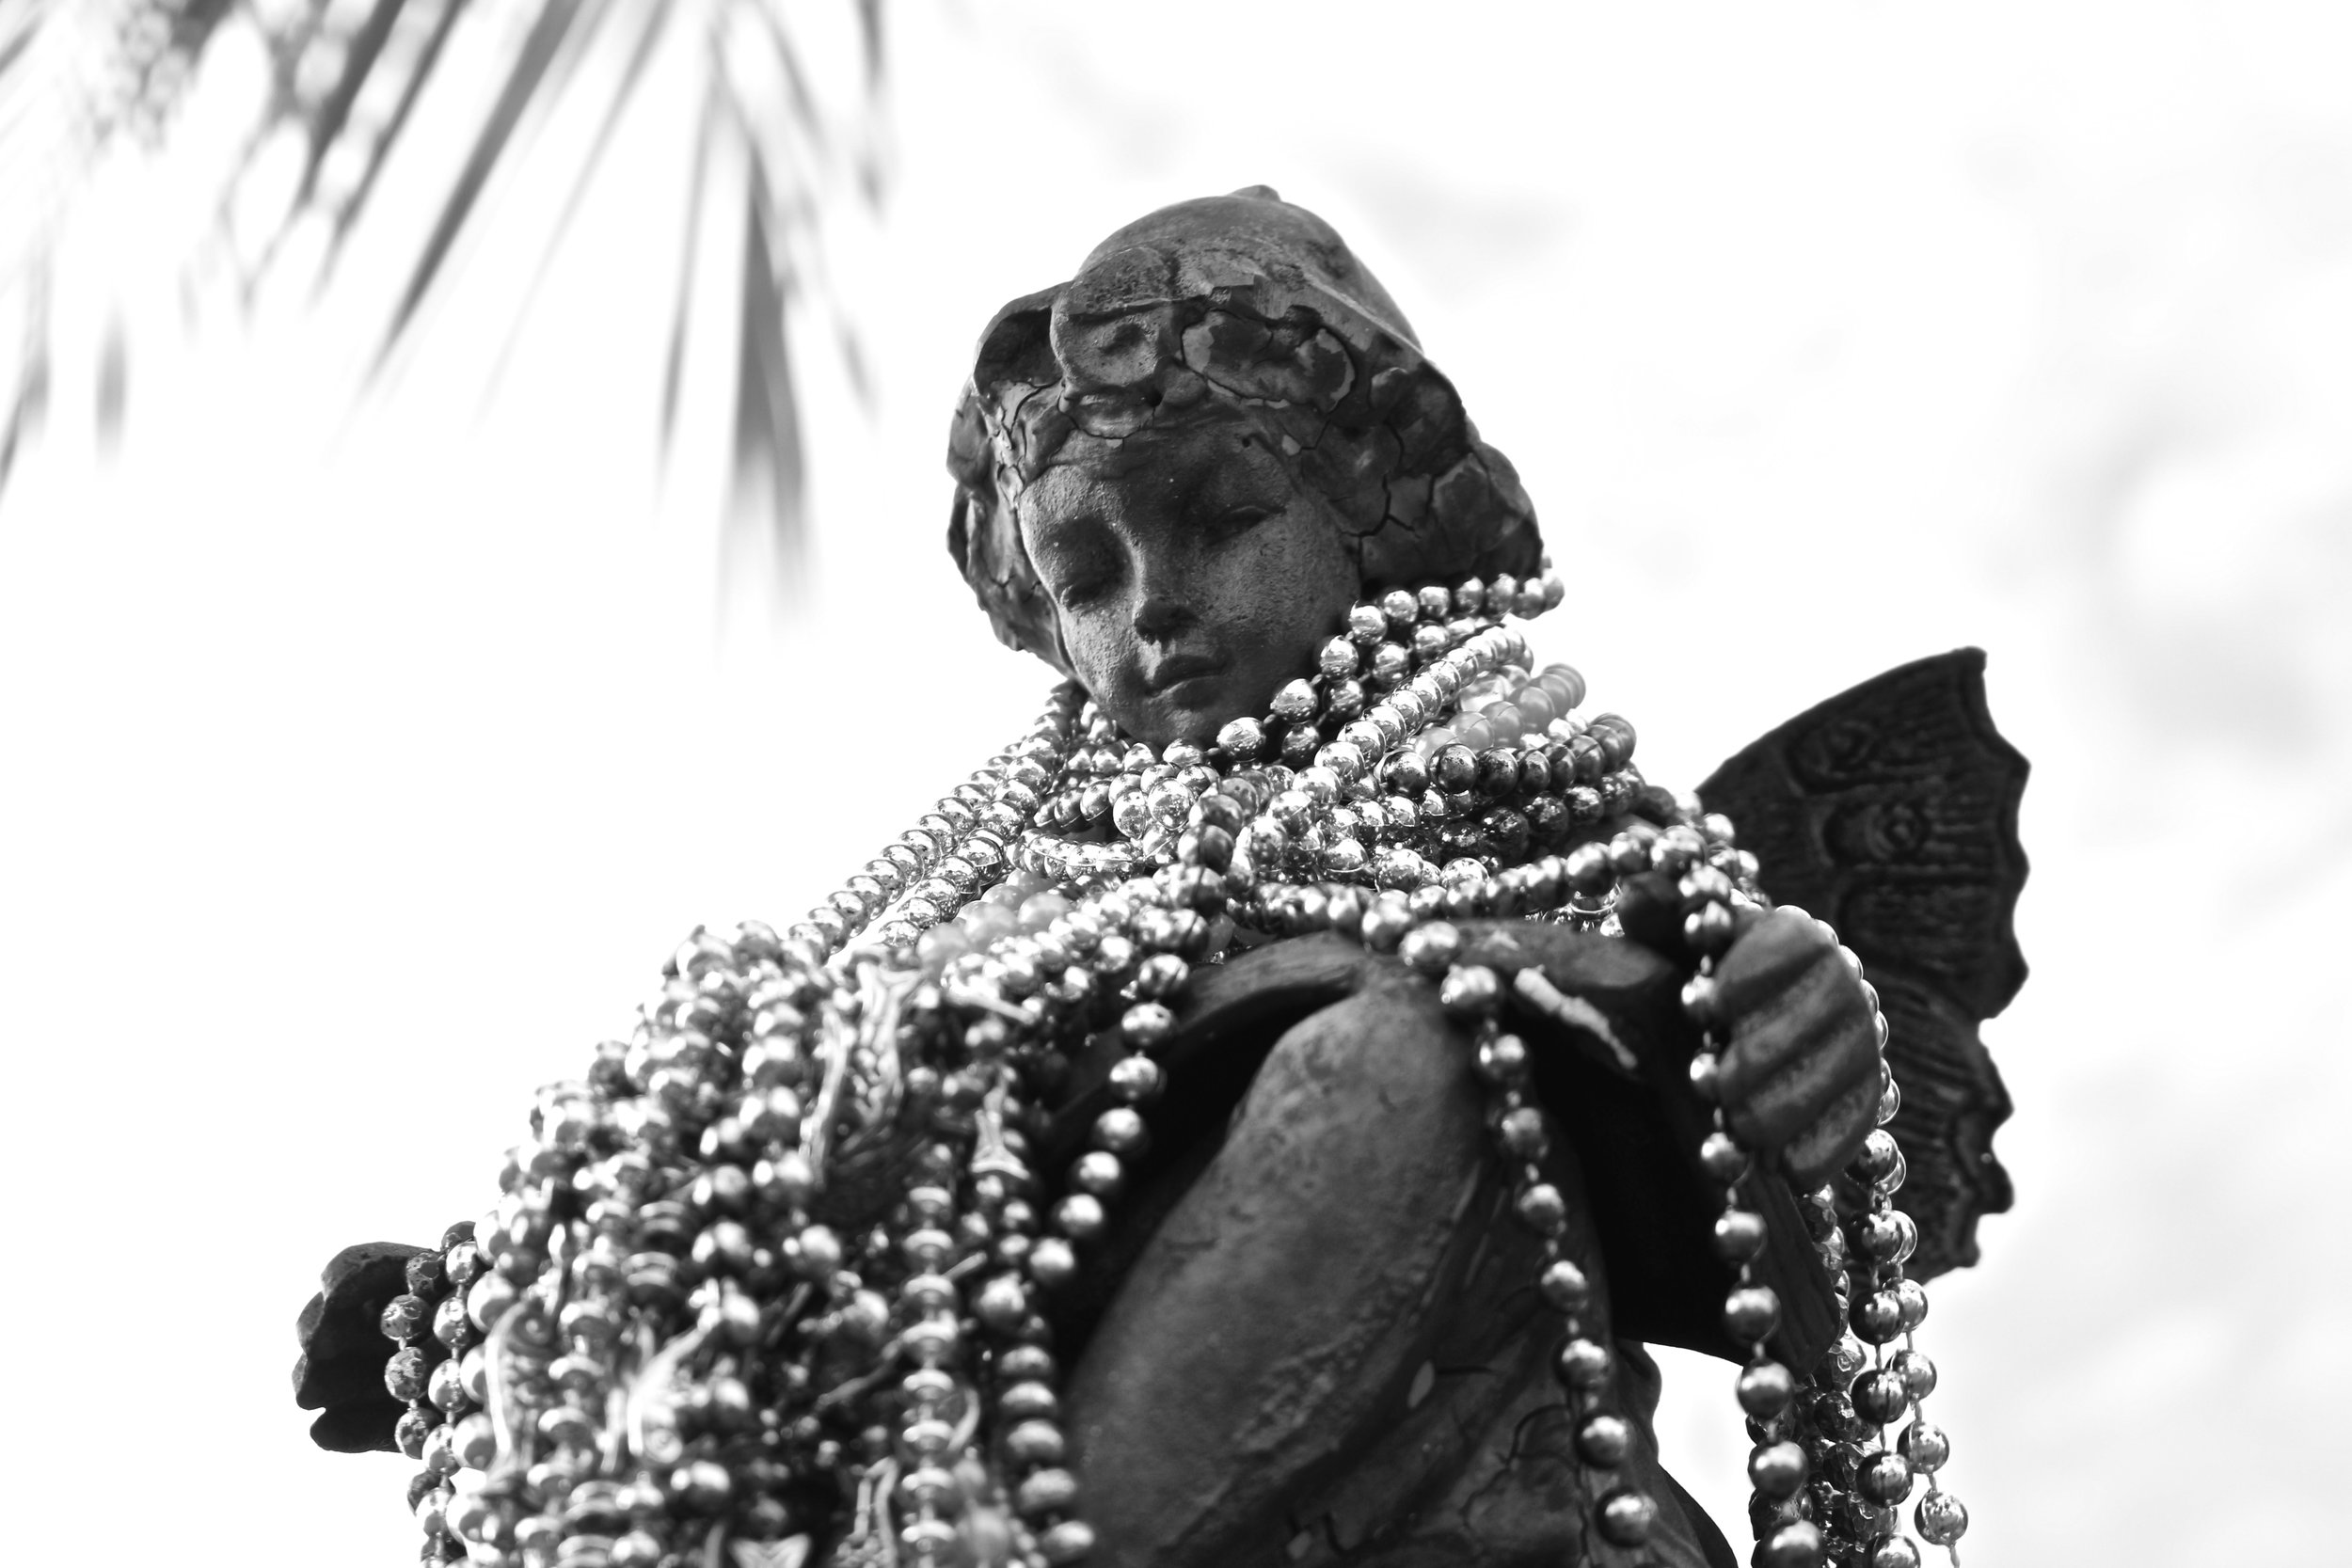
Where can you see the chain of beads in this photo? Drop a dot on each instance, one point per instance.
(1821, 1495)
(427, 1322)
(772, 1275)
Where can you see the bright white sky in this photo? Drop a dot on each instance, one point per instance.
(364, 757)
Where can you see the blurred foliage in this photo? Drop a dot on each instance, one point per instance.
(786, 89)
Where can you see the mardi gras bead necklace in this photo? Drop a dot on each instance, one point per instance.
(770, 1277)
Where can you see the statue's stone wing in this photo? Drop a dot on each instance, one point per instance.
(1891, 812)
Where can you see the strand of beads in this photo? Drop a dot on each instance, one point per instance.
(415, 1323)
(1819, 1494)
(1887, 1307)
(1707, 868)
(668, 1198)
(957, 852)
(1472, 994)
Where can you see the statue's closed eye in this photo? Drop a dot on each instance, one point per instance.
(1078, 559)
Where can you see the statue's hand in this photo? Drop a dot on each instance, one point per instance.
(1799, 1076)
(341, 1370)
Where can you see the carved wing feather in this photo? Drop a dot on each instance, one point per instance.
(1891, 812)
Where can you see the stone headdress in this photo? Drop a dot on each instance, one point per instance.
(1246, 305)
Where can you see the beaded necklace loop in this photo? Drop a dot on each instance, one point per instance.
(768, 1279)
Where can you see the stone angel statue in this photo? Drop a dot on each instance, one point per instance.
(1262, 1115)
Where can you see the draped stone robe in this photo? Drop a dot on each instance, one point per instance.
(1316, 1335)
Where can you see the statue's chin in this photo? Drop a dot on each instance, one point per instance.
(1190, 710)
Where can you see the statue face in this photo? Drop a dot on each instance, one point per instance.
(1191, 573)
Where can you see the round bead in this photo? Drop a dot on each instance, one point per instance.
(1723, 1159)
(1344, 760)
(1885, 1479)
(1131, 814)
(1121, 1131)
(1099, 1172)
(1583, 1365)
(414, 1426)
(1751, 1312)
(1001, 1303)
(1911, 1302)
(1453, 770)
(1503, 1060)
(1067, 1542)
(1029, 1400)
(1407, 772)
(1891, 1551)
(1626, 1516)
(1026, 1363)
(488, 1298)
(1036, 1442)
(1542, 1208)
(404, 1316)
(1080, 1216)
(471, 1517)
(1161, 975)
(1169, 803)
(1522, 1133)
(1916, 1371)
(1876, 1317)
(1431, 948)
(1708, 929)
(1926, 1448)
(1880, 1396)
(1048, 1491)
(1796, 1544)
(405, 1372)
(1136, 1079)
(1589, 870)
(1564, 1287)
(1777, 1469)
(1051, 1262)
(1468, 991)
(1877, 1159)
(1243, 739)
(1604, 1440)
(1295, 702)
(446, 1387)
(440, 1450)
(475, 1440)
(1706, 1076)
(1765, 1389)
(1885, 1236)
(1699, 997)
(1738, 1235)
(1941, 1519)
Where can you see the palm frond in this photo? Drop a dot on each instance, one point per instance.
(349, 78)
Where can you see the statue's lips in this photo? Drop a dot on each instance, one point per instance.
(1181, 670)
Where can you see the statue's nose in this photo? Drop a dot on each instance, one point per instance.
(1163, 613)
